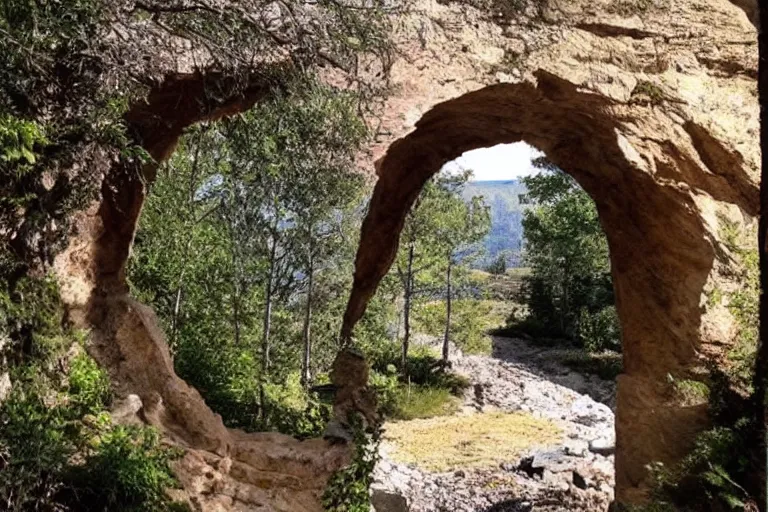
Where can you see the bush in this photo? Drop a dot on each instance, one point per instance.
(707, 479)
(89, 388)
(57, 443)
(293, 411)
(601, 330)
(430, 389)
(498, 266)
(53, 457)
(128, 470)
(347, 489)
(385, 386)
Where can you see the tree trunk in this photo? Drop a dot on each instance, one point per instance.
(179, 292)
(407, 310)
(761, 363)
(265, 363)
(447, 336)
(305, 373)
(235, 293)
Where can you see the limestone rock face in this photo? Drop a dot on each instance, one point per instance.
(650, 105)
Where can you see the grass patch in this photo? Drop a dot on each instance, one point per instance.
(412, 402)
(476, 440)
(691, 392)
(606, 365)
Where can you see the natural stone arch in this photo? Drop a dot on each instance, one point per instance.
(656, 181)
(222, 469)
(694, 148)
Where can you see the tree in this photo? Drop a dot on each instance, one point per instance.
(295, 157)
(567, 252)
(438, 228)
(499, 266)
(273, 193)
(459, 227)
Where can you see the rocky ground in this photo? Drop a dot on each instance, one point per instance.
(575, 474)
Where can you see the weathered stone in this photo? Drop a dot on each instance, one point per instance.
(387, 501)
(579, 480)
(126, 410)
(602, 446)
(653, 113)
(555, 461)
(576, 448)
(665, 151)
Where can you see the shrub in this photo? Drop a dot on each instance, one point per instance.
(128, 470)
(744, 302)
(385, 385)
(498, 266)
(89, 388)
(601, 330)
(58, 448)
(707, 478)
(347, 489)
(291, 410)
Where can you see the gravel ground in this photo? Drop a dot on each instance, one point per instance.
(575, 474)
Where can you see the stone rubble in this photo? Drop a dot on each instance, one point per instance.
(576, 475)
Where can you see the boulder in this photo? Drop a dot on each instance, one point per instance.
(384, 500)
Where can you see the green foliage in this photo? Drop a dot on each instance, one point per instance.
(20, 140)
(471, 321)
(89, 388)
(600, 330)
(127, 470)
(691, 392)
(569, 293)
(430, 389)
(60, 450)
(411, 402)
(744, 302)
(347, 489)
(54, 432)
(242, 215)
(441, 235)
(498, 266)
(707, 478)
(292, 410)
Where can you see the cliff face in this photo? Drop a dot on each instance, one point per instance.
(651, 105)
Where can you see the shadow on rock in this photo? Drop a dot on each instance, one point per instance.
(512, 505)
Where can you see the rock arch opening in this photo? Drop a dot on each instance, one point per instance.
(657, 191)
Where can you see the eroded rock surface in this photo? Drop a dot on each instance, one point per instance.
(651, 106)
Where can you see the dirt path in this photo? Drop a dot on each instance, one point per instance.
(574, 472)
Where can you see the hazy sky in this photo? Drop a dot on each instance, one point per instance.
(502, 162)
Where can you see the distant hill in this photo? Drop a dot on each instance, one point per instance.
(506, 235)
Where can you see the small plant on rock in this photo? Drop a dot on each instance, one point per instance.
(347, 489)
